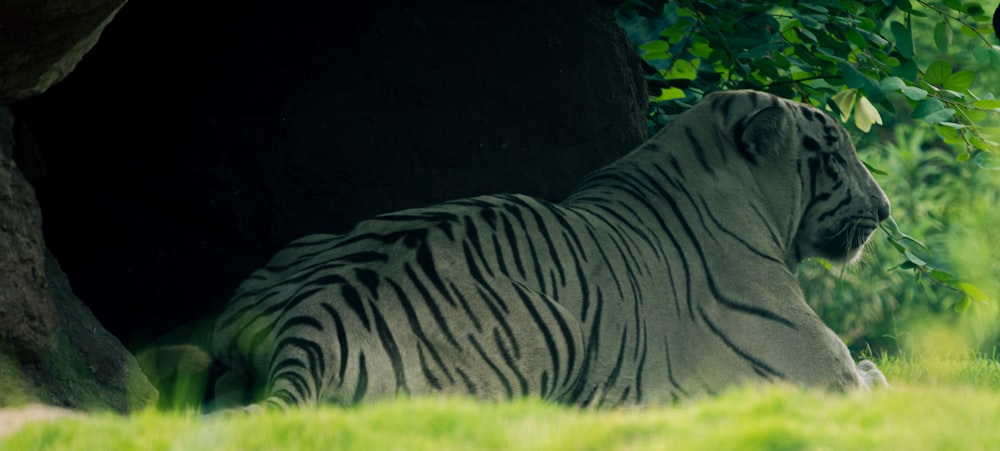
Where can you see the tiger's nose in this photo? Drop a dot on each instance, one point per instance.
(883, 208)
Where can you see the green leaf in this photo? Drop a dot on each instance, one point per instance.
(683, 70)
(893, 226)
(942, 36)
(926, 107)
(655, 46)
(914, 93)
(960, 81)
(940, 116)
(950, 134)
(873, 169)
(973, 292)
(892, 84)
(937, 72)
(914, 259)
(979, 143)
(852, 77)
(974, 115)
(941, 276)
(987, 104)
(988, 56)
(906, 69)
(855, 38)
(670, 94)
(904, 39)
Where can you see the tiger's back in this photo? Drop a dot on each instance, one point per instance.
(666, 275)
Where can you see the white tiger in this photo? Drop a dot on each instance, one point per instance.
(666, 275)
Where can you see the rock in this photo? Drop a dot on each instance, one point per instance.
(27, 315)
(42, 41)
(88, 370)
(52, 349)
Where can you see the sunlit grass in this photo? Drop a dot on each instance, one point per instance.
(934, 405)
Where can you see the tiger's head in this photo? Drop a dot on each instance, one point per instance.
(841, 204)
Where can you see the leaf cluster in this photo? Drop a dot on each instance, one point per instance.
(855, 58)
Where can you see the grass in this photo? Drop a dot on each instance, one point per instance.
(933, 405)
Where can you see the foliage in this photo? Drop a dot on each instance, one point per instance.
(944, 405)
(848, 56)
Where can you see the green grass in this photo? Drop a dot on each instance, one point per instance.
(933, 405)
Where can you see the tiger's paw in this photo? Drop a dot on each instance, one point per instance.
(871, 376)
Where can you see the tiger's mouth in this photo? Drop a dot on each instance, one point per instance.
(848, 239)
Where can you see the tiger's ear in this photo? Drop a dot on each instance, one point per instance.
(766, 135)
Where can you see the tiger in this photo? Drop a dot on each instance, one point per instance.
(668, 275)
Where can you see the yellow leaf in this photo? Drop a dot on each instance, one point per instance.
(865, 115)
(845, 101)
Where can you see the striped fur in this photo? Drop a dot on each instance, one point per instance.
(666, 275)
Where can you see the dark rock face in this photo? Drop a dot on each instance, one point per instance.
(52, 349)
(196, 140)
(88, 368)
(27, 315)
(41, 42)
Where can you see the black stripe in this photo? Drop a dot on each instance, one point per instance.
(300, 391)
(640, 368)
(432, 306)
(736, 237)
(542, 327)
(757, 363)
(500, 317)
(431, 379)
(369, 279)
(473, 238)
(616, 369)
(469, 386)
(341, 339)
(540, 225)
(414, 321)
(354, 302)
(670, 369)
(512, 245)
(699, 151)
(593, 344)
(425, 261)
(361, 388)
(509, 360)
(391, 350)
(843, 203)
(314, 357)
(466, 307)
(489, 362)
(567, 334)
